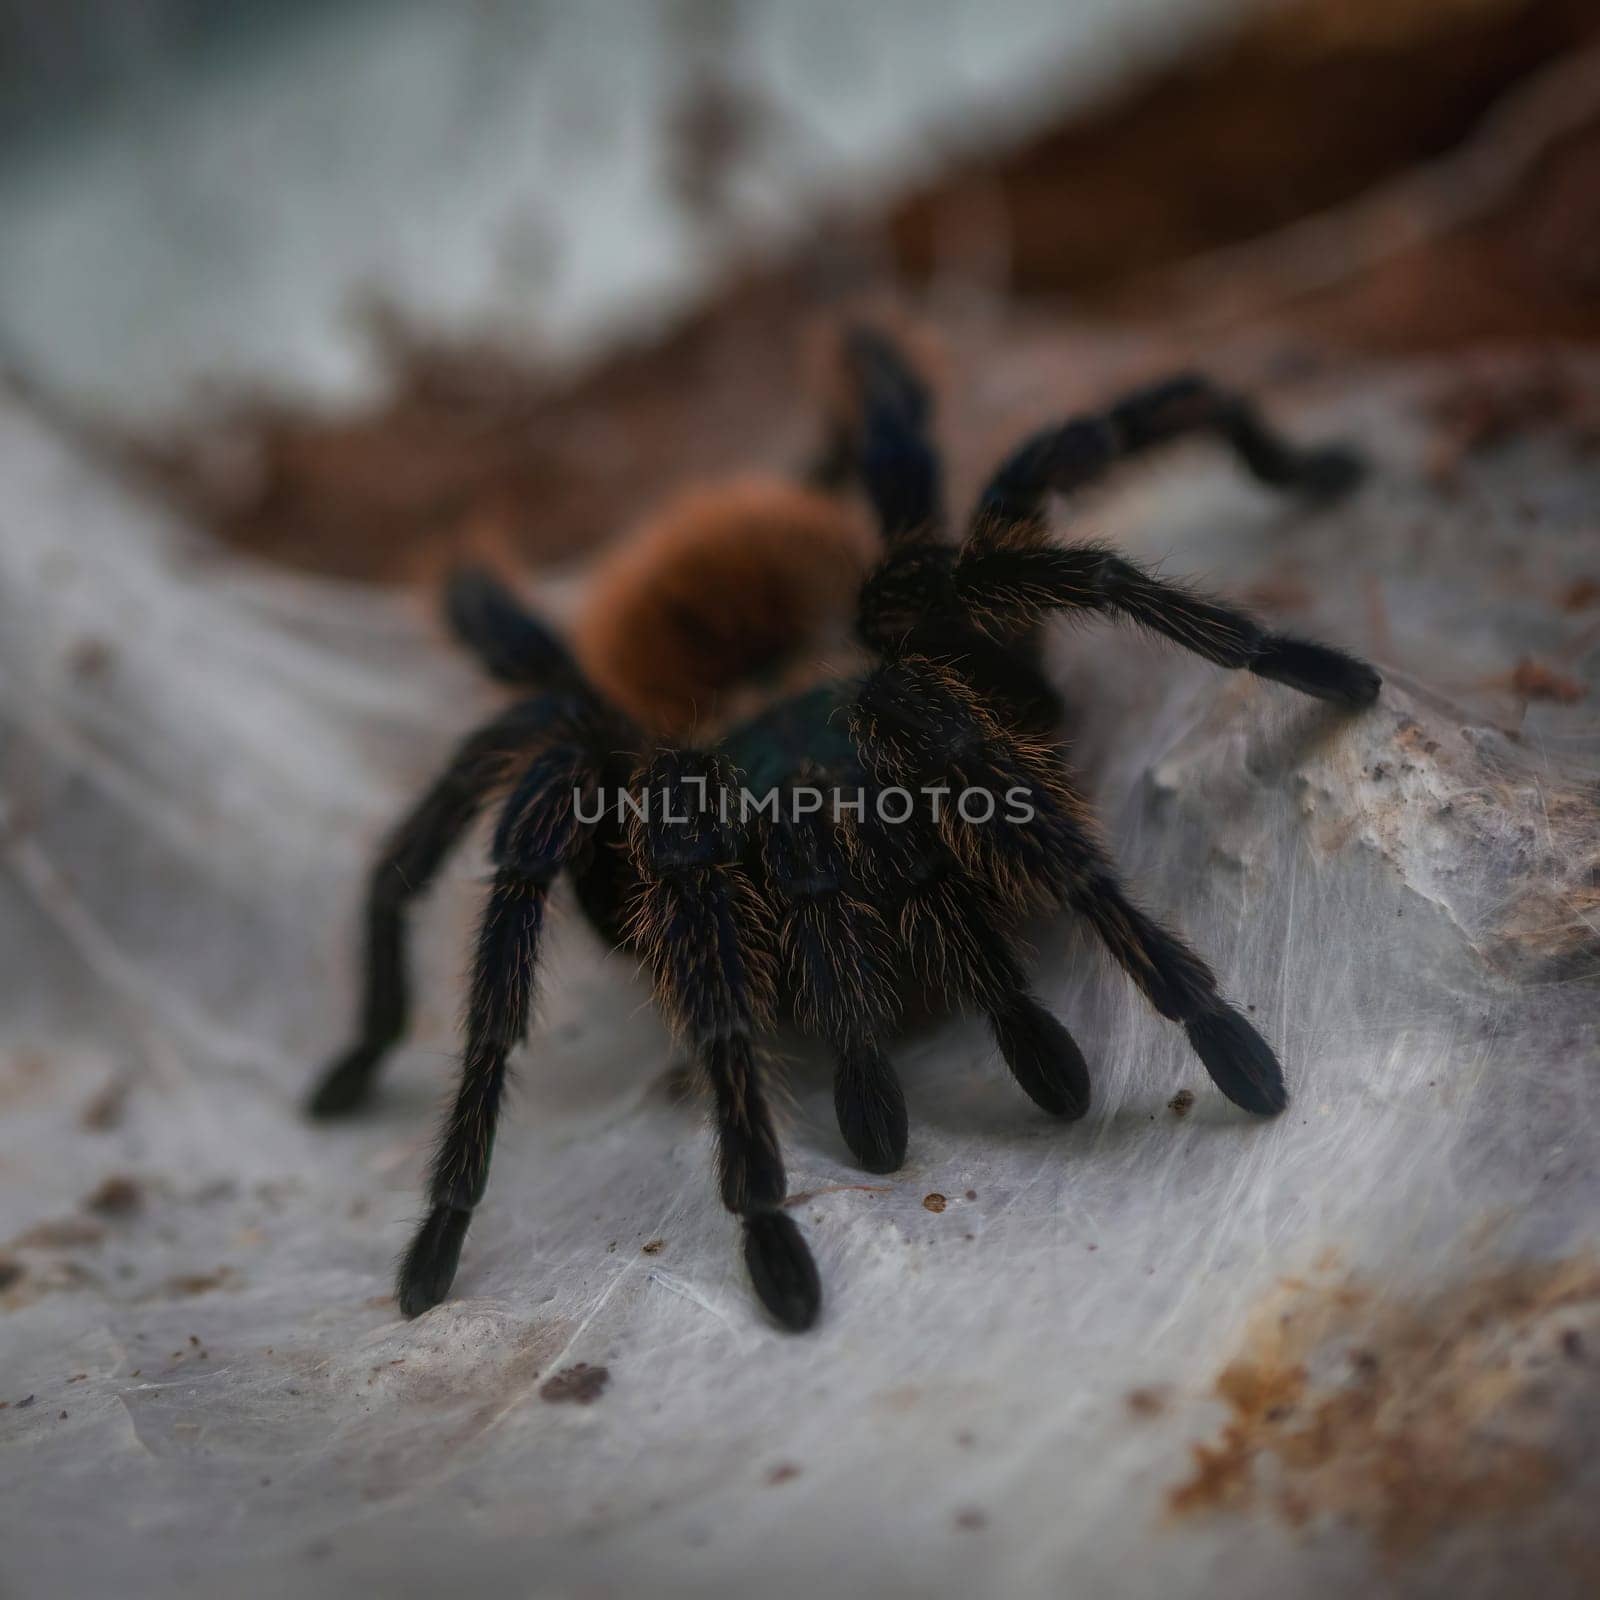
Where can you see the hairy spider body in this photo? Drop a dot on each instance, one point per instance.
(713, 660)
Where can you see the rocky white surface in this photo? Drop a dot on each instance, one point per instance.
(208, 1390)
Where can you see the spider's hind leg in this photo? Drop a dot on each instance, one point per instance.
(511, 644)
(880, 435)
(1076, 453)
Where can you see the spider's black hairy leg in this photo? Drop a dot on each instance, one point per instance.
(923, 721)
(1016, 580)
(699, 921)
(950, 926)
(884, 439)
(1075, 453)
(839, 963)
(538, 834)
(408, 863)
(510, 643)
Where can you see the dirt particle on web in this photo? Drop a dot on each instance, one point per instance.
(1533, 680)
(972, 1194)
(194, 1283)
(1182, 1103)
(971, 1520)
(655, 1247)
(1580, 594)
(1407, 1418)
(118, 1196)
(782, 1472)
(581, 1384)
(1150, 1400)
(106, 1109)
(11, 1272)
(90, 658)
(933, 1202)
(63, 1233)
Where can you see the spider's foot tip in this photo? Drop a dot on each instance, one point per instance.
(343, 1087)
(1043, 1057)
(1332, 472)
(1240, 1061)
(879, 1154)
(875, 1127)
(429, 1267)
(781, 1268)
(1319, 670)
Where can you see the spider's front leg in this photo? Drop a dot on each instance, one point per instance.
(539, 833)
(1021, 578)
(405, 868)
(698, 921)
(924, 718)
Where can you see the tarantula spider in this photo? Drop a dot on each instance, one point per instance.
(691, 673)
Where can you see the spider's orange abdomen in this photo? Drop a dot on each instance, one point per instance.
(720, 599)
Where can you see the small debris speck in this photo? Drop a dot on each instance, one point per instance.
(1181, 1103)
(972, 1194)
(118, 1196)
(1149, 1401)
(971, 1519)
(782, 1472)
(655, 1247)
(581, 1384)
(1533, 680)
(10, 1272)
(933, 1202)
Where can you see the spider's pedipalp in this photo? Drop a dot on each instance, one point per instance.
(840, 968)
(870, 1106)
(1043, 1057)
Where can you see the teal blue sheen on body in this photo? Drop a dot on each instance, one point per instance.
(807, 728)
